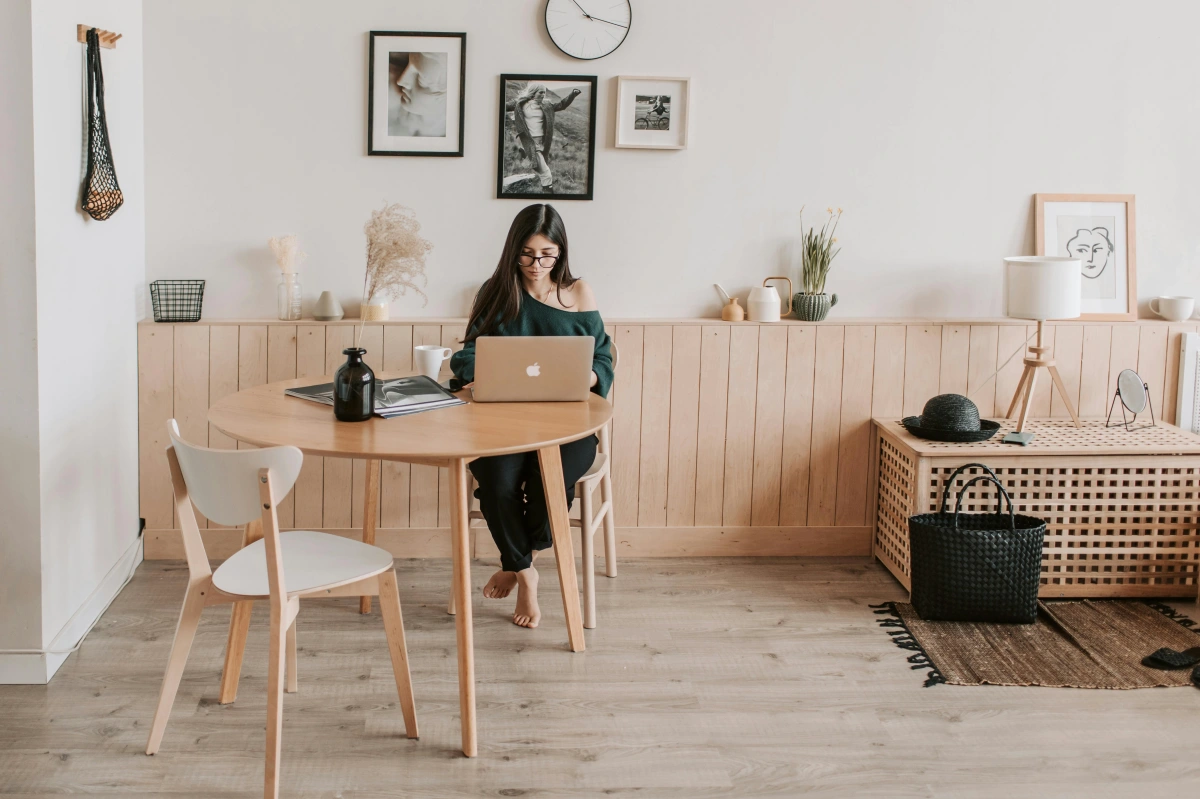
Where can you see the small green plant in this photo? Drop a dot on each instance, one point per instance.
(817, 252)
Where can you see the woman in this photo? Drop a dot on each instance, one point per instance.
(531, 293)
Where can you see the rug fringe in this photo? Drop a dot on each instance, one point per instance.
(904, 639)
(1172, 614)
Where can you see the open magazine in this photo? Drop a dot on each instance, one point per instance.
(398, 396)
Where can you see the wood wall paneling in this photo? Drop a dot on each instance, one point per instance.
(797, 425)
(710, 425)
(770, 401)
(826, 426)
(858, 363)
(739, 426)
(727, 439)
(685, 409)
(627, 425)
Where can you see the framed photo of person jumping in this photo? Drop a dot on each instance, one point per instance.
(547, 145)
(1098, 229)
(416, 88)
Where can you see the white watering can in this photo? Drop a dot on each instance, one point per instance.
(763, 304)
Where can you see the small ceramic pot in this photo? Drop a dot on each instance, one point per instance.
(327, 308)
(813, 307)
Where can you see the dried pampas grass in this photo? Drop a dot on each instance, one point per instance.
(287, 252)
(395, 255)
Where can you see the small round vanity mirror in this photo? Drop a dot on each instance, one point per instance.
(1132, 389)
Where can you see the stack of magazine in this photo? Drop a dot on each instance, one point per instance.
(399, 396)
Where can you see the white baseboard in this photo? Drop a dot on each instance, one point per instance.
(39, 668)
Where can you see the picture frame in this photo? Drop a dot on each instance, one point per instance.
(416, 93)
(560, 163)
(652, 113)
(1101, 230)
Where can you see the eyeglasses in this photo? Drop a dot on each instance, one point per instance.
(544, 261)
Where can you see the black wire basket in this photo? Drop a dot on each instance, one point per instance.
(976, 566)
(177, 300)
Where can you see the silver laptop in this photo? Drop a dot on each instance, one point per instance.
(533, 368)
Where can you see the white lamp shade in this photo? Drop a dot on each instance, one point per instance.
(1044, 287)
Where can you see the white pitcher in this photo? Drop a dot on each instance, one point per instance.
(764, 301)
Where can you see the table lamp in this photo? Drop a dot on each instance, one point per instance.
(1042, 287)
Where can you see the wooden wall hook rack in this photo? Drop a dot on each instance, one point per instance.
(107, 38)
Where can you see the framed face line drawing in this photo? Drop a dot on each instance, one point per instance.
(1098, 229)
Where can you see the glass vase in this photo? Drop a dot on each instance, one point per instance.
(288, 297)
(353, 388)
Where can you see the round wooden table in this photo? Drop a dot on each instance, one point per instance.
(449, 437)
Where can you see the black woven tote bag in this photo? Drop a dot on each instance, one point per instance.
(976, 566)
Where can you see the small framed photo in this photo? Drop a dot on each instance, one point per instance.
(547, 142)
(652, 113)
(416, 87)
(1098, 229)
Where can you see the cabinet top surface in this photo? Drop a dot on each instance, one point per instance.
(1055, 437)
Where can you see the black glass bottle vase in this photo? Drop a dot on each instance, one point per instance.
(353, 388)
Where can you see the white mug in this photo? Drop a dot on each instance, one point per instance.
(428, 359)
(1173, 309)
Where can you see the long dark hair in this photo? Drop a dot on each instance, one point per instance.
(499, 299)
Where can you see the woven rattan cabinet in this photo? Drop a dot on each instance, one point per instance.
(1122, 507)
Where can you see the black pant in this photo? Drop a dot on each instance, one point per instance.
(513, 500)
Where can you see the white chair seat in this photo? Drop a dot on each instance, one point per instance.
(597, 467)
(310, 561)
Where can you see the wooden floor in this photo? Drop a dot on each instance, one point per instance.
(706, 678)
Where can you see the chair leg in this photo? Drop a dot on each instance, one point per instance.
(293, 676)
(275, 681)
(239, 628)
(610, 529)
(450, 604)
(393, 627)
(587, 529)
(185, 633)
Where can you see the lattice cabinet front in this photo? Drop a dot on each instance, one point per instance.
(1117, 524)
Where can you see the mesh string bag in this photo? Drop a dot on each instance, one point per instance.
(101, 193)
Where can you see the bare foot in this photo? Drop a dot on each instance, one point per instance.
(501, 585)
(527, 613)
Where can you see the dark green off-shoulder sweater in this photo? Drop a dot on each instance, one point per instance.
(538, 319)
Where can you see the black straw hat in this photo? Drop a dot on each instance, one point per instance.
(950, 417)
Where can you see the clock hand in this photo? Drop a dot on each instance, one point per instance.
(581, 8)
(619, 25)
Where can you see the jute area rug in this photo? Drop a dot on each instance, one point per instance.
(1073, 644)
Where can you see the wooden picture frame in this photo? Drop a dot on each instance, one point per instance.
(1117, 247)
(427, 119)
(649, 125)
(519, 174)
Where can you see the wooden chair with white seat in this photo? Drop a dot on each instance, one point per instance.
(237, 487)
(590, 517)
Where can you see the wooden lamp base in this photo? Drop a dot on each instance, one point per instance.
(1037, 358)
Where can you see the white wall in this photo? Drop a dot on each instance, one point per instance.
(79, 408)
(931, 122)
(20, 550)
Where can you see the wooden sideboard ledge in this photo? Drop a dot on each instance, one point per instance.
(728, 438)
(871, 321)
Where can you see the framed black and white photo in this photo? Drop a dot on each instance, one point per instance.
(1098, 229)
(547, 144)
(652, 113)
(415, 93)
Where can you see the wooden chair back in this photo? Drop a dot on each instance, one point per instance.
(231, 487)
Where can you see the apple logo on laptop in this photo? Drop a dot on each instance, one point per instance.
(533, 371)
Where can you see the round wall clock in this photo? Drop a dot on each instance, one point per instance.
(588, 29)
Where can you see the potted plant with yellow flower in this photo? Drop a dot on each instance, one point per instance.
(816, 256)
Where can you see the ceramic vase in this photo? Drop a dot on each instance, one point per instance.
(353, 388)
(327, 308)
(813, 307)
